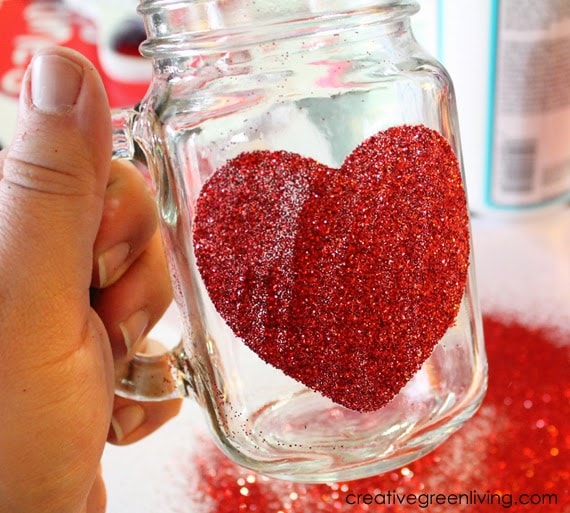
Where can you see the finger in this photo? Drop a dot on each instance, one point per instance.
(97, 499)
(132, 305)
(133, 420)
(128, 223)
(54, 350)
(55, 173)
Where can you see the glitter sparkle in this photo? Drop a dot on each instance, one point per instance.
(345, 279)
(504, 452)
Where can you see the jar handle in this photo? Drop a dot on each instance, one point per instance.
(123, 121)
(147, 377)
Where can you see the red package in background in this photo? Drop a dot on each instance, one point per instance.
(29, 25)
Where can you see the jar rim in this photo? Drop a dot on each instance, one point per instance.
(177, 26)
(315, 6)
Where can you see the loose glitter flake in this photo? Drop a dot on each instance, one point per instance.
(345, 279)
(506, 455)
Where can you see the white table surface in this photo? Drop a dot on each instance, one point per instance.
(523, 269)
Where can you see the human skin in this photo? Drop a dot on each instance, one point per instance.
(78, 244)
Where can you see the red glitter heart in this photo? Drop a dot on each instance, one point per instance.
(345, 279)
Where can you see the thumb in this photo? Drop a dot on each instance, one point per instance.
(54, 175)
(56, 379)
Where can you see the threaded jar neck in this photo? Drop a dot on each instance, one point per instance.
(176, 27)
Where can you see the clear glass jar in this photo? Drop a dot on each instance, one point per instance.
(303, 83)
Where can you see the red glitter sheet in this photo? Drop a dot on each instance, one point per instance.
(345, 279)
(515, 449)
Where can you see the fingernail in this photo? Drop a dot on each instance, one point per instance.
(56, 82)
(133, 328)
(126, 420)
(110, 261)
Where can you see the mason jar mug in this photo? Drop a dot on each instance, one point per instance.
(306, 161)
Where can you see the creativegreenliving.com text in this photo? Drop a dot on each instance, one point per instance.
(470, 498)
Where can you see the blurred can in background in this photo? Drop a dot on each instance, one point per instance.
(510, 62)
